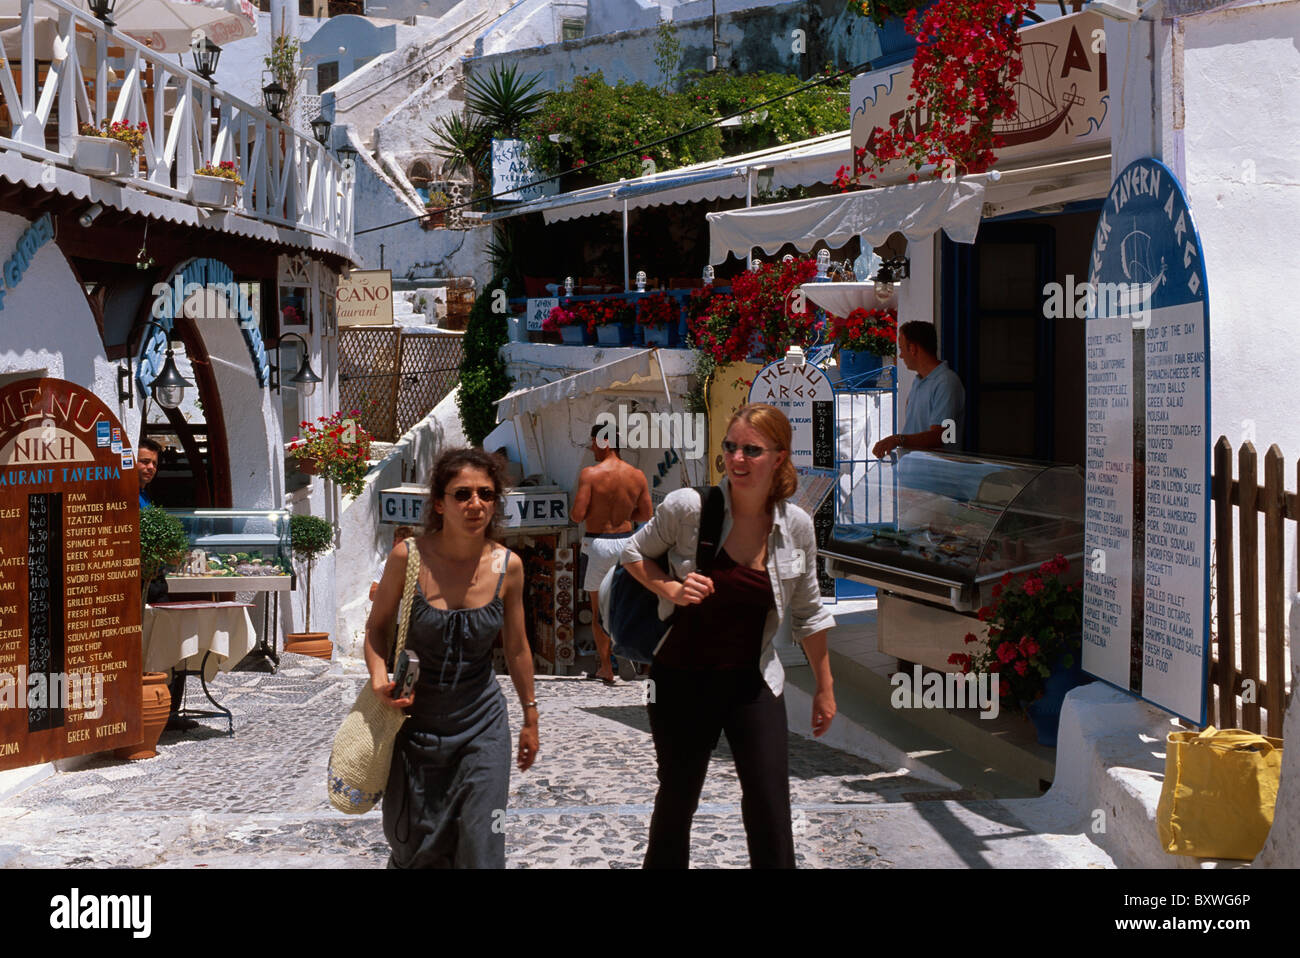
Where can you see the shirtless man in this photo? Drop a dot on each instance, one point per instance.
(612, 495)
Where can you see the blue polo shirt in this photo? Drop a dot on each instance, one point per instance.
(934, 398)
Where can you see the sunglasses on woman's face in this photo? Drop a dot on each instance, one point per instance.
(751, 452)
(485, 494)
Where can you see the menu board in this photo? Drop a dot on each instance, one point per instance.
(70, 654)
(807, 398)
(1147, 507)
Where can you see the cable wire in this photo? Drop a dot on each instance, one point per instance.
(853, 70)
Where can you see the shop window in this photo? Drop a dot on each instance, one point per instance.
(327, 74)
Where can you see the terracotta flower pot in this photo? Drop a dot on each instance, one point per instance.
(308, 467)
(315, 644)
(157, 706)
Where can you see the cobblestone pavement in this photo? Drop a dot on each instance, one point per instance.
(258, 799)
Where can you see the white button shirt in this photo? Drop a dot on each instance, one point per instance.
(674, 532)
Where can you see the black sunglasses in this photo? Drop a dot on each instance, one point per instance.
(751, 452)
(485, 494)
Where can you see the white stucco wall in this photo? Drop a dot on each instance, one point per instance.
(364, 541)
(556, 444)
(47, 327)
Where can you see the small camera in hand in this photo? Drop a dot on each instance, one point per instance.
(405, 673)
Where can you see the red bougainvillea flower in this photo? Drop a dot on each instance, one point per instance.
(971, 637)
(1022, 667)
(1028, 646)
(1007, 651)
(1033, 585)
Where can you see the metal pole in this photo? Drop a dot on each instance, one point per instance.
(627, 276)
(381, 255)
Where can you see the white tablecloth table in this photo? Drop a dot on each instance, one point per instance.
(177, 635)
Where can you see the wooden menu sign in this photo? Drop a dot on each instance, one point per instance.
(70, 599)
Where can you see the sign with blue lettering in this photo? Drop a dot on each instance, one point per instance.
(202, 289)
(402, 505)
(34, 237)
(539, 310)
(102, 434)
(530, 509)
(512, 169)
(1146, 585)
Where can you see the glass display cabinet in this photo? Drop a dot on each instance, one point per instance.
(234, 550)
(959, 524)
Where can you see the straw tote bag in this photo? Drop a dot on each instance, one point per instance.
(363, 747)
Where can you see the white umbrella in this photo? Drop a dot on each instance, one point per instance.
(165, 26)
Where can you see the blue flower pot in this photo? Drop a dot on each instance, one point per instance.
(614, 334)
(660, 335)
(574, 335)
(1045, 712)
(854, 364)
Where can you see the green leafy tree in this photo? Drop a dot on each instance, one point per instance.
(668, 52)
(310, 537)
(483, 377)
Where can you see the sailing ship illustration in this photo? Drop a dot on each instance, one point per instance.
(1039, 113)
(1137, 261)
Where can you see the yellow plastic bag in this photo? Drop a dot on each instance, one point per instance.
(1219, 792)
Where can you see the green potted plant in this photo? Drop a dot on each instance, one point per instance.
(309, 537)
(437, 204)
(163, 542)
(1032, 642)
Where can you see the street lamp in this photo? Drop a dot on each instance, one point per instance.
(103, 9)
(305, 379)
(206, 54)
(320, 128)
(168, 387)
(273, 96)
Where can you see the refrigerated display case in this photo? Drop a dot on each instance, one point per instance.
(959, 524)
(234, 550)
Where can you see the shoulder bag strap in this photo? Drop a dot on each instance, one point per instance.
(408, 595)
(712, 506)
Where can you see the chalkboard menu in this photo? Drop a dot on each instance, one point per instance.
(69, 576)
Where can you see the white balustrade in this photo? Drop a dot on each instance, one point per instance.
(289, 178)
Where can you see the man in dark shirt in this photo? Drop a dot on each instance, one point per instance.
(146, 467)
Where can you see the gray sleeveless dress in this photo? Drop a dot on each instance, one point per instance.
(444, 806)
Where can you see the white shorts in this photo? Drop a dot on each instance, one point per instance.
(602, 553)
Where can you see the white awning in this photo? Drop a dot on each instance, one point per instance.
(630, 370)
(805, 163)
(915, 209)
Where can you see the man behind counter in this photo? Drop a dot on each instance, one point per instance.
(936, 406)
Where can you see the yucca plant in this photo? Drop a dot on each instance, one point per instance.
(465, 143)
(503, 99)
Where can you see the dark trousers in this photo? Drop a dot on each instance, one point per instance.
(688, 711)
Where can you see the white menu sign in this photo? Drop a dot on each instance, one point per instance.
(1146, 583)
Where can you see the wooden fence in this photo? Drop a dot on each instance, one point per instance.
(394, 377)
(1235, 661)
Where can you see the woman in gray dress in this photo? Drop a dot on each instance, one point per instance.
(445, 801)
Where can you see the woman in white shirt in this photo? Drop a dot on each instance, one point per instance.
(717, 670)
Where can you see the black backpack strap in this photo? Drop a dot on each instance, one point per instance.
(712, 507)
